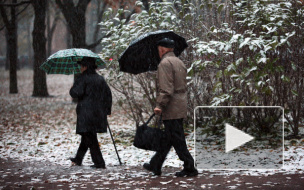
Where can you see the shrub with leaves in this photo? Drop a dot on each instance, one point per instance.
(135, 93)
(258, 61)
(238, 55)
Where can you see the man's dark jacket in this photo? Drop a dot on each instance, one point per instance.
(94, 103)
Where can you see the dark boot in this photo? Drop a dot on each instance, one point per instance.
(75, 161)
(150, 168)
(188, 173)
(103, 166)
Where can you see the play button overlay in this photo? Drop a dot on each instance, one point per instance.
(238, 137)
(235, 138)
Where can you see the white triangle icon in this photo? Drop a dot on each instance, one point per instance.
(235, 138)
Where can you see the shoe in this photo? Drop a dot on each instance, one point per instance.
(149, 168)
(75, 162)
(187, 173)
(103, 166)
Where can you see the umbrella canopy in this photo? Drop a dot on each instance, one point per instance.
(65, 61)
(142, 54)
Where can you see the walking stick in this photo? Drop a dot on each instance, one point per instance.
(114, 144)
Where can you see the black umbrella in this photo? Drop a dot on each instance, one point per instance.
(142, 54)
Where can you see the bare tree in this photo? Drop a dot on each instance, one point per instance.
(75, 17)
(101, 7)
(12, 38)
(51, 26)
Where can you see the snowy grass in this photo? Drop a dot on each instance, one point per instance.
(44, 128)
(38, 129)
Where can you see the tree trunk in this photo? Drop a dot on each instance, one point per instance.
(13, 52)
(75, 17)
(7, 51)
(68, 37)
(12, 46)
(39, 46)
(78, 33)
(100, 13)
(49, 35)
(30, 50)
(11, 39)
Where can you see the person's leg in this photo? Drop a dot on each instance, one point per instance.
(83, 147)
(179, 144)
(95, 151)
(158, 159)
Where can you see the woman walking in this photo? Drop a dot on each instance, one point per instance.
(94, 104)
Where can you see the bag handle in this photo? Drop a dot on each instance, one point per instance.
(150, 118)
(159, 122)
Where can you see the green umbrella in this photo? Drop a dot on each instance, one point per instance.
(65, 61)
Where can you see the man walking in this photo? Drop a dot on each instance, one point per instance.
(172, 104)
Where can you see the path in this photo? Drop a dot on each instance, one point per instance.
(45, 175)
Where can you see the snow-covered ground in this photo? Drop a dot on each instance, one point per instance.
(44, 129)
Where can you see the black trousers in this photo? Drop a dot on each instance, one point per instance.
(89, 140)
(175, 133)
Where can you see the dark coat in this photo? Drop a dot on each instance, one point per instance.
(94, 103)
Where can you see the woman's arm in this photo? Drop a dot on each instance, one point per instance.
(78, 88)
(108, 99)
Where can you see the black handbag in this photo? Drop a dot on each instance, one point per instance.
(149, 138)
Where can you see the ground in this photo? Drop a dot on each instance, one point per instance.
(46, 175)
(38, 136)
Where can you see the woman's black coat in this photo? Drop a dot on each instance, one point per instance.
(94, 103)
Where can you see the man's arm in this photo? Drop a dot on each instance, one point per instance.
(166, 84)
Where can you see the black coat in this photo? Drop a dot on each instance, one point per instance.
(94, 103)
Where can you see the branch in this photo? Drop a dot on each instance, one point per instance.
(67, 9)
(4, 16)
(2, 27)
(99, 18)
(14, 4)
(91, 46)
(104, 5)
(129, 17)
(58, 2)
(146, 4)
(82, 4)
(22, 10)
(54, 24)
(65, 5)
